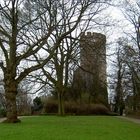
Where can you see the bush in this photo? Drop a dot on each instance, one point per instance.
(2, 112)
(73, 108)
(50, 106)
(132, 113)
(99, 109)
(86, 109)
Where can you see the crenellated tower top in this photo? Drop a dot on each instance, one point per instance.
(92, 37)
(93, 52)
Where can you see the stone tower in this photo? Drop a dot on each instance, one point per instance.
(91, 75)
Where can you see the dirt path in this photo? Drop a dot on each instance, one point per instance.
(130, 119)
(2, 119)
(121, 117)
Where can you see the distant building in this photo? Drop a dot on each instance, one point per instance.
(90, 77)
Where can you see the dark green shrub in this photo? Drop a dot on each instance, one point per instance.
(38, 105)
(2, 112)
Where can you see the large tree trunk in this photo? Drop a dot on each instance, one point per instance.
(10, 95)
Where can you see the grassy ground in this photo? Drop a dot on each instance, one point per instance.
(71, 128)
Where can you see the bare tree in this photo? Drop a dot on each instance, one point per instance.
(125, 83)
(131, 12)
(76, 16)
(18, 42)
(23, 100)
(120, 78)
(27, 28)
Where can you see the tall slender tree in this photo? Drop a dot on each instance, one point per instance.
(131, 10)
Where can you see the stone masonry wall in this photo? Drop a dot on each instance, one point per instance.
(93, 63)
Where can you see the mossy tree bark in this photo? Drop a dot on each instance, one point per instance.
(10, 70)
(10, 94)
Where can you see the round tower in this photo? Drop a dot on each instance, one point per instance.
(93, 63)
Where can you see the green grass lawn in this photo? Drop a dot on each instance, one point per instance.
(70, 128)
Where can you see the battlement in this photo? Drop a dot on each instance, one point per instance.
(98, 36)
